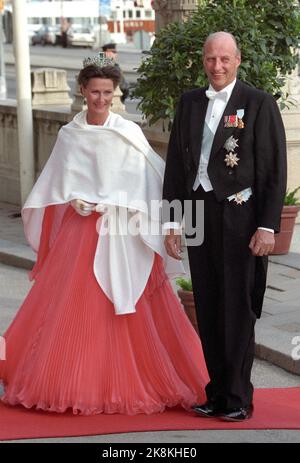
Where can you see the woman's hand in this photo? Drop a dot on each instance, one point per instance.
(82, 207)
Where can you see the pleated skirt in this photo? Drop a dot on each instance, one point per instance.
(66, 349)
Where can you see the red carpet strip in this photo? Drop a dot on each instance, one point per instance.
(273, 409)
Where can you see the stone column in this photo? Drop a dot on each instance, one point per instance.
(167, 11)
(24, 109)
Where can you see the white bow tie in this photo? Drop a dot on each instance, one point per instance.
(211, 94)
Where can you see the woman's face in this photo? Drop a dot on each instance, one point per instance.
(98, 94)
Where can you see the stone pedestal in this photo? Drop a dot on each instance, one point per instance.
(168, 11)
(78, 101)
(117, 105)
(49, 87)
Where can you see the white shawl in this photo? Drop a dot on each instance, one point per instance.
(115, 167)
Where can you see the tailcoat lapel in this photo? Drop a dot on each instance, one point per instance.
(197, 118)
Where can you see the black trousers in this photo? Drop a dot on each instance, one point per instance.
(228, 290)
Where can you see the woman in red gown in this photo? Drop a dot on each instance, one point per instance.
(67, 348)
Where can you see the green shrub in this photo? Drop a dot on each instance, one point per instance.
(267, 31)
(291, 198)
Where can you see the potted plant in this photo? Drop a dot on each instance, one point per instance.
(288, 217)
(186, 296)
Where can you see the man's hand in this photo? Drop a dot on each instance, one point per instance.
(82, 207)
(262, 243)
(173, 243)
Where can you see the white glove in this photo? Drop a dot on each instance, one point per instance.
(82, 207)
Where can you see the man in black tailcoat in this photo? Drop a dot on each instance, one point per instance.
(227, 148)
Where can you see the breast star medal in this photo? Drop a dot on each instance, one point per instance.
(239, 199)
(231, 159)
(231, 143)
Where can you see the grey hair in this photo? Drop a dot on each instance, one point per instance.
(214, 35)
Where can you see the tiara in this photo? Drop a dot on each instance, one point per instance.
(99, 60)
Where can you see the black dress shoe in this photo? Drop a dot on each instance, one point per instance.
(208, 410)
(237, 414)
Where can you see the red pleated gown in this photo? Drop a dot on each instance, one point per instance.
(67, 349)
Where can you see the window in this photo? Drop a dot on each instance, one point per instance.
(33, 20)
(46, 21)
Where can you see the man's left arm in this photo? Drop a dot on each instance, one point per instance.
(270, 175)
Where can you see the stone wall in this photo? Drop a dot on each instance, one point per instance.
(9, 157)
(46, 126)
(291, 119)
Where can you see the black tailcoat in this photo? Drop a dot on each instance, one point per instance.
(228, 282)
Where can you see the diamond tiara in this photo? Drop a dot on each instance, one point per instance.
(98, 60)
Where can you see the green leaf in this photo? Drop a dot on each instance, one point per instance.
(267, 31)
(185, 284)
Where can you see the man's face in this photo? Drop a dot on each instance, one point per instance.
(111, 53)
(221, 62)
